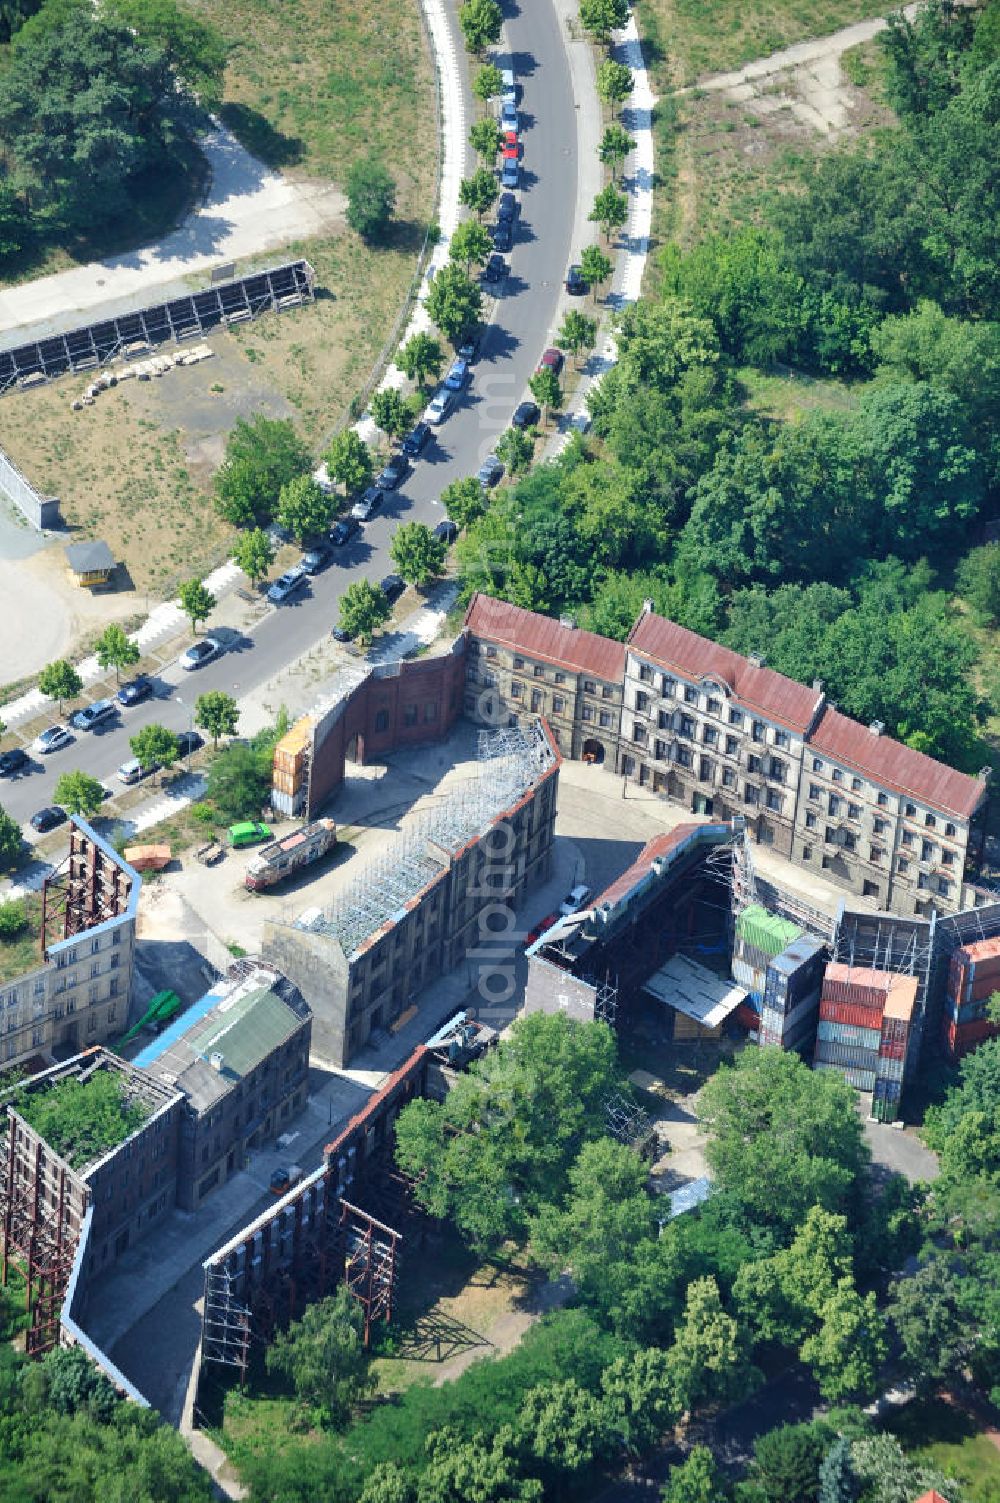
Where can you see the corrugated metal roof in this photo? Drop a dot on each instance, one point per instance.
(698, 993)
(688, 1196)
(541, 637)
(696, 658)
(247, 1033)
(660, 845)
(896, 766)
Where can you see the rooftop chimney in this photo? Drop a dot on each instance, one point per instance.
(877, 727)
(569, 621)
(647, 607)
(757, 660)
(818, 685)
(216, 1060)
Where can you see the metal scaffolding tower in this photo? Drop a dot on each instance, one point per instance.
(370, 1263)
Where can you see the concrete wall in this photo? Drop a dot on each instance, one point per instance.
(314, 963)
(399, 704)
(41, 511)
(551, 989)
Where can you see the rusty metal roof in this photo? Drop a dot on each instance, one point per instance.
(895, 766)
(542, 638)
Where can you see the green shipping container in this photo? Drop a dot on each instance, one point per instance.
(766, 931)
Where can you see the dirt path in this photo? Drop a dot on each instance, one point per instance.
(806, 78)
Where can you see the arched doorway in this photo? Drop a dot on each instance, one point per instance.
(593, 751)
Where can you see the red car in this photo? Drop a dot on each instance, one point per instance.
(539, 929)
(510, 150)
(552, 360)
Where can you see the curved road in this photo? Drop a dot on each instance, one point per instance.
(527, 315)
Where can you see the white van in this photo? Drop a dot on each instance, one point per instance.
(508, 92)
(133, 771)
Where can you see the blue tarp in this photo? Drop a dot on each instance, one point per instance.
(177, 1028)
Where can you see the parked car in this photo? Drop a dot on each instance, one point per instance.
(188, 742)
(526, 414)
(508, 114)
(469, 348)
(510, 176)
(282, 1180)
(200, 653)
(495, 269)
(365, 509)
(416, 439)
(489, 471)
(503, 237)
(393, 473)
(343, 531)
(133, 771)
(575, 285)
(458, 375)
(315, 559)
(508, 88)
(54, 738)
(446, 530)
(48, 818)
(340, 635)
(510, 149)
(506, 208)
(393, 586)
(93, 714)
(574, 900)
(289, 582)
(552, 360)
(248, 832)
(439, 406)
(13, 761)
(136, 690)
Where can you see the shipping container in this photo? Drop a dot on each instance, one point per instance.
(960, 1039)
(887, 1090)
(861, 1080)
(751, 979)
(746, 1017)
(894, 1030)
(846, 1033)
(846, 1055)
(889, 1069)
(890, 1049)
(850, 1012)
(856, 984)
(751, 955)
(968, 1012)
(765, 930)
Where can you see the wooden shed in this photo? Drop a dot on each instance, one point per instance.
(90, 563)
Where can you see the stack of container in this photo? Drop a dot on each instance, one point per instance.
(760, 936)
(290, 772)
(791, 995)
(864, 1031)
(973, 977)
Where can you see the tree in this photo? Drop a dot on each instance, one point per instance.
(472, 1471)
(324, 1357)
(471, 242)
(73, 1383)
(239, 781)
(614, 83)
(887, 1475)
(602, 17)
(418, 555)
(421, 358)
(13, 917)
(464, 501)
(363, 608)
(194, 49)
(115, 649)
(848, 1349)
(86, 105)
(371, 198)
(978, 581)
(837, 1482)
(595, 267)
(154, 746)
(59, 681)
(696, 1480)
(514, 450)
(485, 137)
(254, 554)
(786, 1463)
(578, 332)
(481, 22)
(610, 210)
(454, 302)
(637, 1394)
(197, 602)
(217, 713)
(616, 143)
(478, 192)
(262, 455)
(349, 460)
(705, 1360)
(487, 83)
(934, 1329)
(563, 1427)
(11, 839)
(389, 411)
(79, 793)
(546, 390)
(305, 508)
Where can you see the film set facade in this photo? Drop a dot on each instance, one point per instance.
(78, 993)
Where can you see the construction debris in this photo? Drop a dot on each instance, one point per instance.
(141, 370)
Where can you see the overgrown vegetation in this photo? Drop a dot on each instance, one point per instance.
(81, 1120)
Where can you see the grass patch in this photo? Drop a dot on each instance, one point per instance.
(22, 952)
(82, 1120)
(786, 394)
(945, 1436)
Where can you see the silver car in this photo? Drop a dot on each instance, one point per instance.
(200, 653)
(53, 739)
(440, 406)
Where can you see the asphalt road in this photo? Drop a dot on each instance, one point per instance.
(526, 317)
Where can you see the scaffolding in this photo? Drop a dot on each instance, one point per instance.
(89, 887)
(39, 1235)
(370, 1251)
(627, 1122)
(510, 761)
(901, 946)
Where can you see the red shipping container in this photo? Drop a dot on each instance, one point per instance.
(895, 1029)
(850, 1012)
(747, 1018)
(854, 994)
(961, 1038)
(888, 1049)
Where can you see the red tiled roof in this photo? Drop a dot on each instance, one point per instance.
(896, 766)
(931, 1497)
(693, 657)
(541, 637)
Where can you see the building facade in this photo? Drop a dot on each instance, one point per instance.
(78, 994)
(725, 735)
(419, 913)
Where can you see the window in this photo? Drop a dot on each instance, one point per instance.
(772, 798)
(690, 695)
(814, 790)
(516, 689)
(682, 756)
(606, 691)
(558, 704)
(926, 850)
(876, 855)
(605, 718)
(732, 746)
(848, 840)
(856, 785)
(538, 672)
(810, 820)
(853, 811)
(831, 835)
(776, 769)
(560, 678)
(869, 889)
(710, 735)
(706, 768)
(758, 730)
(715, 706)
(781, 738)
(491, 652)
(948, 858)
(536, 699)
(588, 713)
(518, 662)
(882, 799)
(639, 734)
(817, 764)
(753, 763)
(879, 826)
(686, 727)
(949, 829)
(807, 852)
(645, 673)
(667, 686)
(589, 687)
(833, 804)
(909, 809)
(765, 833)
(903, 864)
(641, 702)
(751, 795)
(930, 821)
(410, 712)
(660, 751)
(736, 717)
(95, 945)
(837, 775)
(907, 837)
(628, 766)
(664, 720)
(382, 720)
(728, 778)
